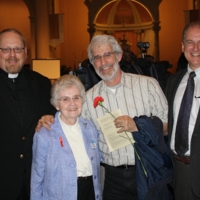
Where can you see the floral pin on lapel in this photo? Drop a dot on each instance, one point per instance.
(61, 142)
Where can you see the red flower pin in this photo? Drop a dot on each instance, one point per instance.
(98, 101)
(61, 142)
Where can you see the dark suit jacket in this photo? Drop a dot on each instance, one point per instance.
(171, 89)
(16, 138)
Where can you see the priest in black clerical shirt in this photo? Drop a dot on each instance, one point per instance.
(24, 98)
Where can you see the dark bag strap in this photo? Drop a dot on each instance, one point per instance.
(153, 72)
(137, 68)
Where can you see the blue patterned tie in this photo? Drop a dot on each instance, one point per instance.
(181, 137)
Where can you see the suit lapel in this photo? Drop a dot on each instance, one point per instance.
(197, 124)
(174, 84)
(86, 138)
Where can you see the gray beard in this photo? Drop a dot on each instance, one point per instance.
(115, 67)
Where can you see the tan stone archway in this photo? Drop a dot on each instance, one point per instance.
(152, 28)
(39, 24)
(30, 7)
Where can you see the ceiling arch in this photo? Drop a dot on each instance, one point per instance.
(121, 15)
(107, 16)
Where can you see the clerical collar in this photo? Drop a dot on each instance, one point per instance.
(7, 75)
(12, 76)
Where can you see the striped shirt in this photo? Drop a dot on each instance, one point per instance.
(136, 95)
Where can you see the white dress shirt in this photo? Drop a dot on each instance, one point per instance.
(74, 137)
(194, 110)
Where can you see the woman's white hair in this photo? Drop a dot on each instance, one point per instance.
(66, 81)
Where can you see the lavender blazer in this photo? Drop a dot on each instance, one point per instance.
(54, 175)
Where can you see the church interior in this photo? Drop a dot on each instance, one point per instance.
(62, 29)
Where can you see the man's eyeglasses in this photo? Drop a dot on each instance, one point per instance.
(67, 100)
(106, 56)
(16, 50)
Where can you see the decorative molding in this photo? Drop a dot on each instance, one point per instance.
(95, 6)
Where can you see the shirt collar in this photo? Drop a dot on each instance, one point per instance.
(13, 75)
(75, 126)
(124, 81)
(10, 76)
(197, 71)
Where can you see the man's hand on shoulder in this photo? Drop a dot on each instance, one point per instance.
(46, 121)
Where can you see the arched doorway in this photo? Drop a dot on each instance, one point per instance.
(32, 27)
(126, 19)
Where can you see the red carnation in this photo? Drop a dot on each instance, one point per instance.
(98, 101)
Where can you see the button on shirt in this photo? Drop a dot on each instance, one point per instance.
(194, 110)
(74, 137)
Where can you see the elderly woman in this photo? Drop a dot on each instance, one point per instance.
(66, 160)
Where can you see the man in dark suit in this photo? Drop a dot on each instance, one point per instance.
(24, 98)
(184, 128)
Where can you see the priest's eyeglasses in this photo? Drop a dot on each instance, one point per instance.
(68, 100)
(8, 50)
(106, 56)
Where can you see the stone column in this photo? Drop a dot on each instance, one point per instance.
(32, 47)
(139, 39)
(156, 29)
(91, 30)
(42, 29)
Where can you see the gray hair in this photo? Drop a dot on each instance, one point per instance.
(66, 81)
(190, 25)
(14, 31)
(103, 39)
